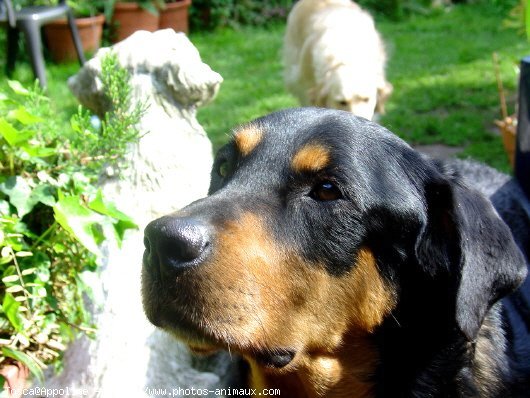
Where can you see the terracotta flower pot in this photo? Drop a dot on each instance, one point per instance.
(59, 39)
(130, 17)
(175, 16)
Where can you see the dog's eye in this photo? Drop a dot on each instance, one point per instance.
(343, 103)
(224, 169)
(325, 191)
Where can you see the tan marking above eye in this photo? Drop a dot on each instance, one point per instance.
(312, 157)
(247, 139)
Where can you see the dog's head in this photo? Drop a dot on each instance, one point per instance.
(361, 93)
(319, 225)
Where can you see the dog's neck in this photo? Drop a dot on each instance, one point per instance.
(345, 372)
(352, 369)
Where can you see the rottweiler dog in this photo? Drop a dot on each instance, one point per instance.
(339, 262)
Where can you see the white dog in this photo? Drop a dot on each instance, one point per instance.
(335, 58)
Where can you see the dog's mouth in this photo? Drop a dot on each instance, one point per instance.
(202, 342)
(181, 308)
(275, 359)
(272, 359)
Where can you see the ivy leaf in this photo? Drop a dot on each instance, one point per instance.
(23, 197)
(10, 307)
(107, 208)
(12, 135)
(123, 221)
(44, 194)
(38, 152)
(33, 367)
(78, 220)
(19, 192)
(18, 88)
(24, 117)
(4, 207)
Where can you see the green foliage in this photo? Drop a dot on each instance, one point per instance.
(88, 8)
(80, 8)
(106, 143)
(519, 18)
(152, 6)
(210, 14)
(397, 9)
(527, 19)
(53, 217)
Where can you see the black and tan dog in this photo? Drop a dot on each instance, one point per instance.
(338, 262)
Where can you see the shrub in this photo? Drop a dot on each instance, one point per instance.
(53, 216)
(210, 14)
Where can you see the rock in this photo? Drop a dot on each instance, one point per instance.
(169, 167)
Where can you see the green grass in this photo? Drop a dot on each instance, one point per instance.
(444, 81)
(250, 62)
(440, 65)
(63, 102)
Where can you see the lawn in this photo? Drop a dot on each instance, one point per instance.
(440, 66)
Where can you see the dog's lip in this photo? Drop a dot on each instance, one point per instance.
(195, 337)
(275, 359)
(203, 349)
(202, 342)
(272, 359)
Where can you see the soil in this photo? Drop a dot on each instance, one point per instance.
(439, 151)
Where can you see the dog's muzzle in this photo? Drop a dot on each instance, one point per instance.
(174, 244)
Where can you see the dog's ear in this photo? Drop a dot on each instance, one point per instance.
(465, 238)
(383, 92)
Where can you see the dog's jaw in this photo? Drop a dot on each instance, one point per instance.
(345, 370)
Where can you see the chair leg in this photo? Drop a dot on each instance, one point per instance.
(12, 49)
(34, 44)
(76, 39)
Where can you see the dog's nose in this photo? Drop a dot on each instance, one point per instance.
(175, 243)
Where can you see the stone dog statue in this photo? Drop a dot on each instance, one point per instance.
(169, 167)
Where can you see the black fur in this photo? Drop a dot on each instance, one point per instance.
(439, 242)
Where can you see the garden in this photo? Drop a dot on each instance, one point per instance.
(53, 217)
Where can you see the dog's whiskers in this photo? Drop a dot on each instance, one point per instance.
(395, 319)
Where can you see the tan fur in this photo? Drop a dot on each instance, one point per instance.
(255, 294)
(247, 139)
(312, 157)
(335, 58)
(343, 373)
